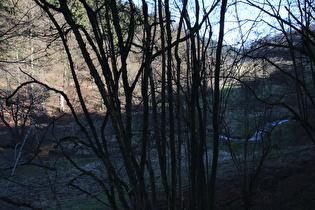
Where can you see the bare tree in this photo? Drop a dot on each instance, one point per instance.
(293, 42)
(132, 57)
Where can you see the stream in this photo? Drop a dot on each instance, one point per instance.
(258, 134)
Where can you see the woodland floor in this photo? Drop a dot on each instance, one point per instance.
(287, 181)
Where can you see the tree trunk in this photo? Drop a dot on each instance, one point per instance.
(216, 109)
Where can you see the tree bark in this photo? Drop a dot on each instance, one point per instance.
(216, 109)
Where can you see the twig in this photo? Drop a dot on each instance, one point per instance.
(19, 155)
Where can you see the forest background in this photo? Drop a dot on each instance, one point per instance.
(148, 104)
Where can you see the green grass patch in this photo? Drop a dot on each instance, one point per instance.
(87, 203)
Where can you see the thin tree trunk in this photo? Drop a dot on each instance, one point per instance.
(216, 109)
(171, 106)
(162, 154)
